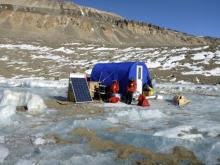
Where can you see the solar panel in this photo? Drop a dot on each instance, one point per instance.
(81, 90)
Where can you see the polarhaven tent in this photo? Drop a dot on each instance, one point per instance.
(105, 73)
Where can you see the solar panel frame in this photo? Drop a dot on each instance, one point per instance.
(80, 90)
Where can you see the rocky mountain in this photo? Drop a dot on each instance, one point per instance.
(49, 20)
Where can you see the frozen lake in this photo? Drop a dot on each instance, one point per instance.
(45, 137)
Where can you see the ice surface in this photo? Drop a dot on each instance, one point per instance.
(135, 115)
(2, 139)
(24, 162)
(184, 87)
(6, 112)
(4, 152)
(159, 127)
(213, 154)
(118, 105)
(92, 160)
(182, 132)
(33, 82)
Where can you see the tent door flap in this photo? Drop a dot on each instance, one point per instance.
(139, 78)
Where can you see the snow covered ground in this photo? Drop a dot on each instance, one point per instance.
(57, 61)
(44, 137)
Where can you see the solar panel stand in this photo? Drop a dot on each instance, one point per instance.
(70, 96)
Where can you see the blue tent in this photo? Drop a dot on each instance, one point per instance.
(122, 72)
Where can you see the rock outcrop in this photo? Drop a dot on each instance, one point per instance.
(52, 21)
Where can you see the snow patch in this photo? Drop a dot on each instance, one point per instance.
(39, 141)
(72, 44)
(64, 50)
(12, 99)
(152, 64)
(25, 47)
(190, 66)
(85, 48)
(88, 72)
(82, 12)
(50, 56)
(4, 58)
(205, 56)
(200, 48)
(213, 72)
(104, 48)
(43, 141)
(172, 61)
(36, 104)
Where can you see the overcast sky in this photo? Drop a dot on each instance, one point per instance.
(198, 17)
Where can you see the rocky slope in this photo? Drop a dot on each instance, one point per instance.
(55, 61)
(54, 22)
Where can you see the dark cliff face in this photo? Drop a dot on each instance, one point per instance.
(49, 20)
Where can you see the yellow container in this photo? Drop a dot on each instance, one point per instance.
(149, 93)
(92, 86)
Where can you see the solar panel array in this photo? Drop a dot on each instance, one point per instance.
(81, 90)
